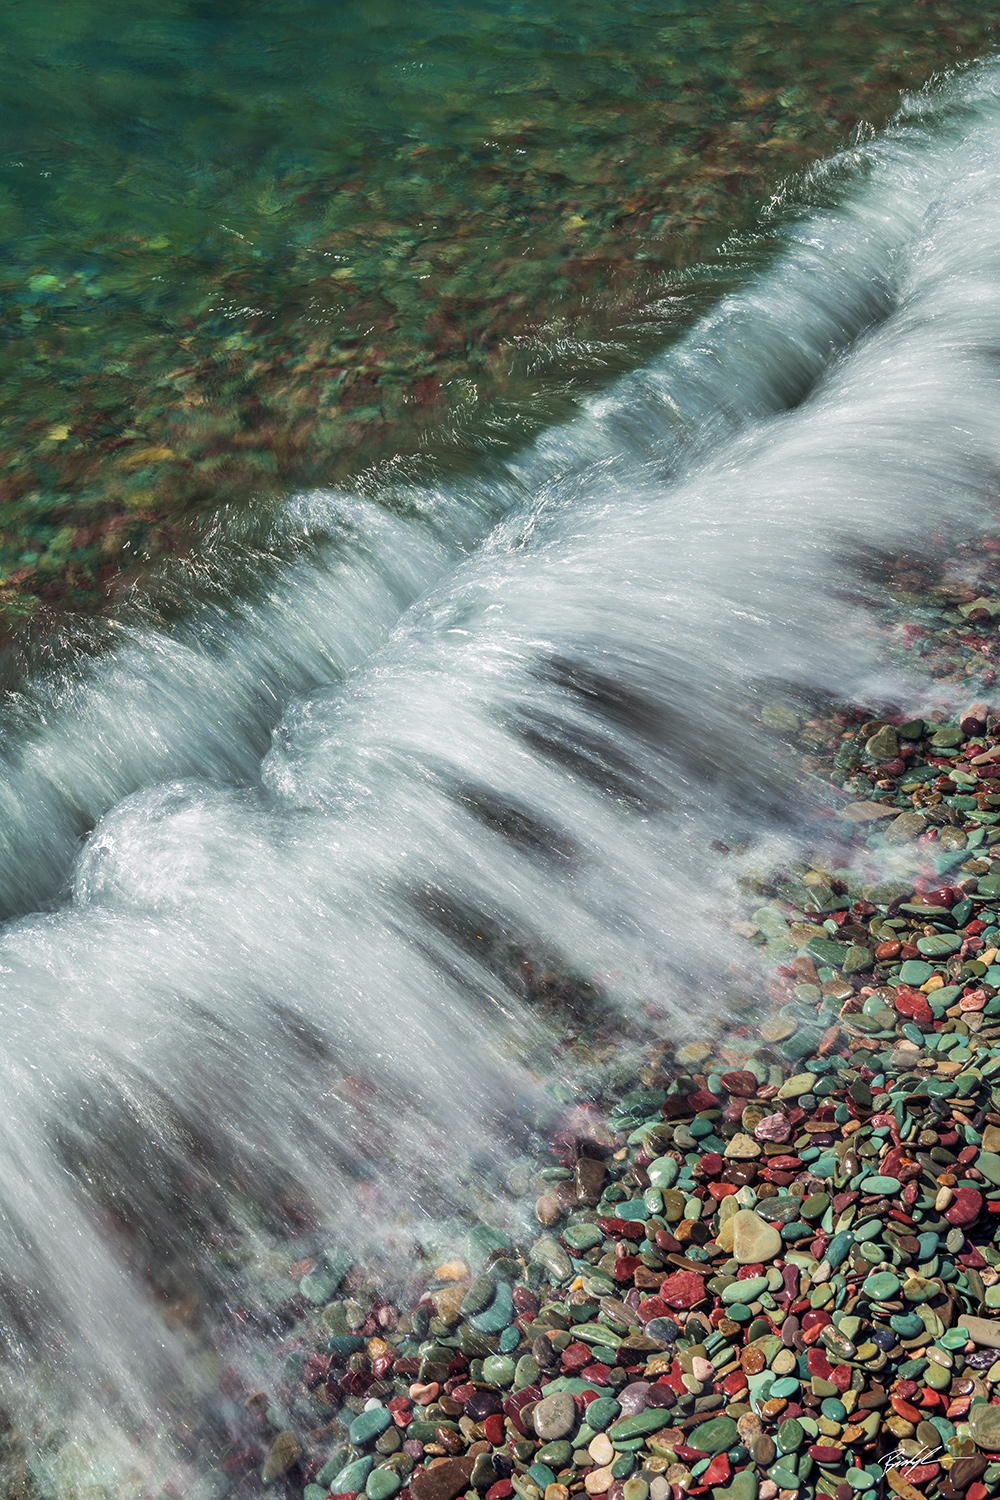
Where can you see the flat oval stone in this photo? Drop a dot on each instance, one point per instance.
(663, 1171)
(790, 1436)
(984, 1426)
(965, 1206)
(371, 1424)
(555, 1416)
(643, 1422)
(744, 1291)
(880, 1285)
(754, 1241)
(714, 1436)
(880, 1185)
(989, 1164)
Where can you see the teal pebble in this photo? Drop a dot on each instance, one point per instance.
(369, 1424)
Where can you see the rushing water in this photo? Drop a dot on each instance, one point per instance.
(499, 727)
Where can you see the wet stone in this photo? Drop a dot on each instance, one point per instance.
(554, 1416)
(714, 1436)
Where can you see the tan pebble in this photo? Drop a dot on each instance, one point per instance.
(423, 1395)
(548, 1209)
(902, 1487)
(749, 1426)
(702, 1369)
(598, 1481)
(556, 1492)
(779, 1029)
(743, 1148)
(448, 1304)
(693, 1052)
(376, 1347)
(784, 1362)
(944, 1197)
(452, 1270)
(678, 1474)
(768, 1490)
(601, 1450)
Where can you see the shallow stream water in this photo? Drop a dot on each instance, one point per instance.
(281, 880)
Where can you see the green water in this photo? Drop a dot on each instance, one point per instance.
(251, 246)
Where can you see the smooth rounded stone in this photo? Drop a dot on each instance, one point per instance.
(880, 1286)
(743, 1148)
(370, 1424)
(601, 1450)
(582, 1236)
(663, 1171)
(715, 1435)
(744, 1291)
(799, 1083)
(742, 1487)
(554, 1416)
(285, 1451)
(693, 1052)
(915, 971)
(881, 1185)
(499, 1314)
(754, 1240)
(497, 1370)
(988, 1163)
(381, 1484)
(602, 1412)
(556, 1455)
(633, 1397)
(640, 1423)
(790, 1435)
(549, 1254)
(763, 1450)
(984, 1426)
(354, 1477)
(661, 1331)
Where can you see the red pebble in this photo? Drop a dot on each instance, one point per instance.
(745, 1084)
(904, 1409)
(702, 1099)
(822, 1454)
(734, 1383)
(976, 1490)
(921, 1474)
(909, 1004)
(818, 1364)
(965, 1206)
(682, 1289)
(500, 1491)
(575, 1356)
(626, 1267)
(841, 1377)
(652, 1307)
(718, 1471)
(598, 1374)
(720, 1190)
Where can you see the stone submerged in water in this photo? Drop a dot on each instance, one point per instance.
(737, 1321)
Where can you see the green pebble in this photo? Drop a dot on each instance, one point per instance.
(880, 1286)
(914, 972)
(497, 1370)
(880, 1184)
(713, 1436)
(744, 1291)
(368, 1425)
(602, 1412)
(790, 1435)
(383, 1483)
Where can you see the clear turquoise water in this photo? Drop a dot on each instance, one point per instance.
(248, 247)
